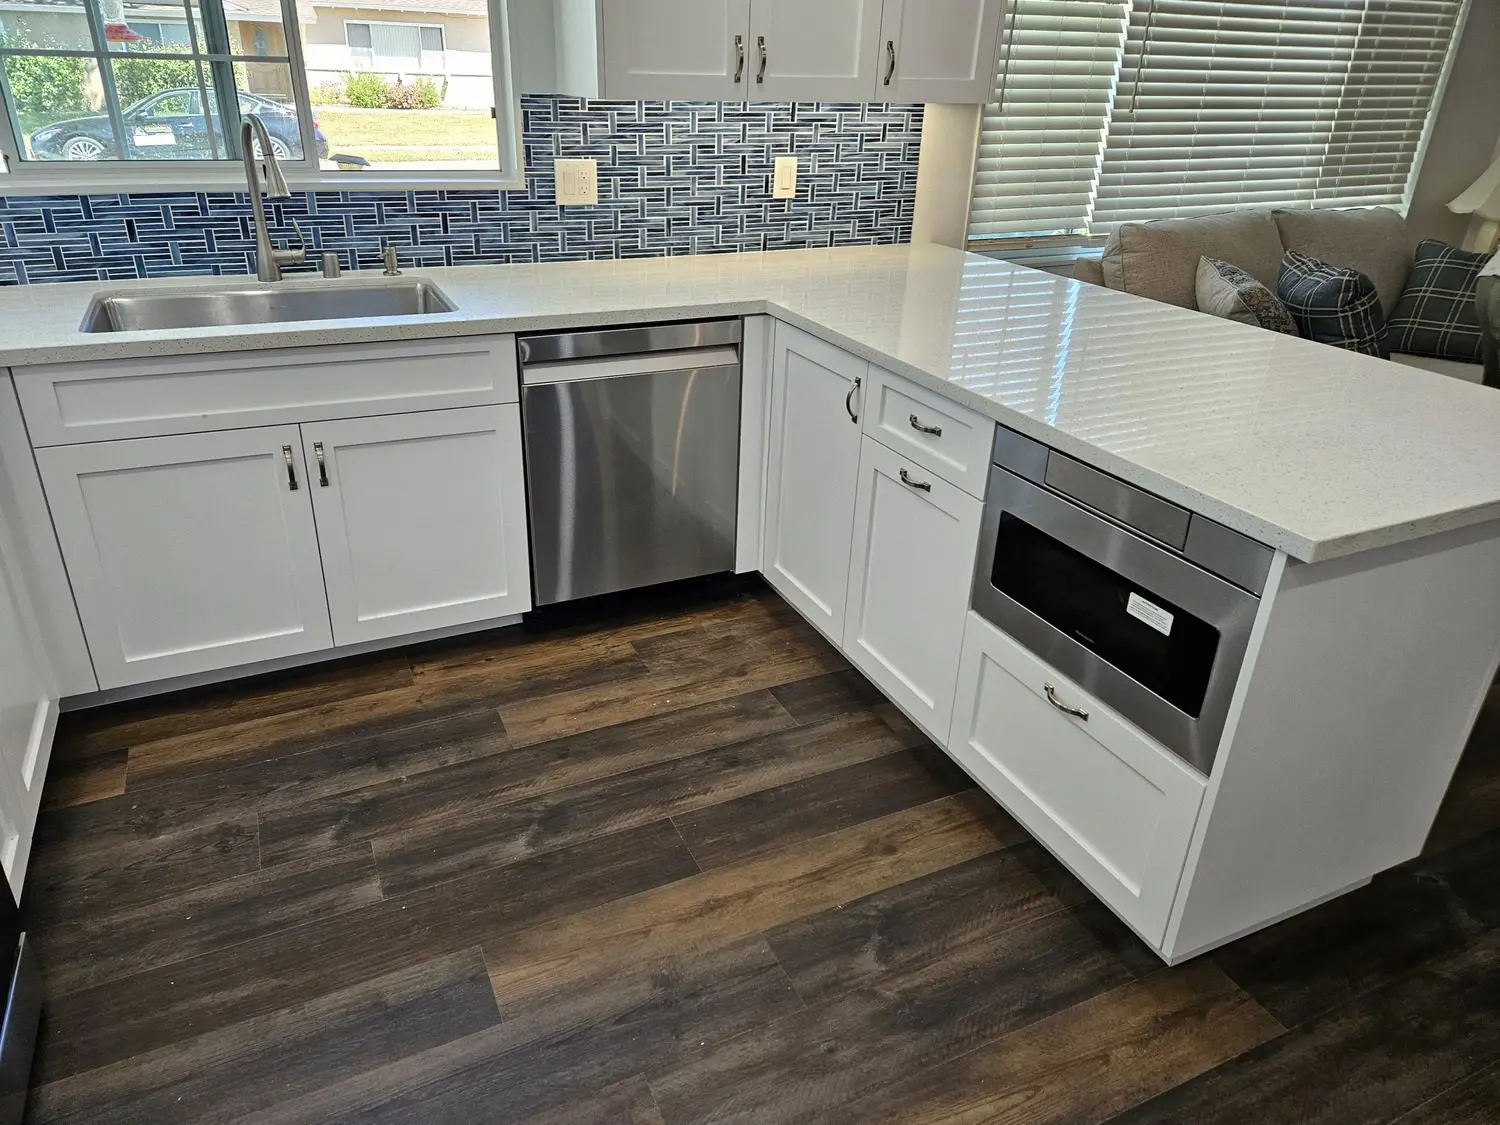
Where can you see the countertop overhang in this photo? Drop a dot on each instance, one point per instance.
(1314, 450)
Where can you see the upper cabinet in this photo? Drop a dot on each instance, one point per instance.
(939, 50)
(749, 50)
(813, 52)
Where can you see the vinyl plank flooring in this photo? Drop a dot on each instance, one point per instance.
(477, 786)
(1085, 1063)
(1473, 1101)
(730, 904)
(487, 838)
(114, 944)
(805, 1066)
(117, 826)
(109, 1022)
(1365, 1062)
(81, 780)
(816, 698)
(281, 1055)
(626, 1103)
(733, 830)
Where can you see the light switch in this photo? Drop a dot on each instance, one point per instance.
(786, 178)
(577, 182)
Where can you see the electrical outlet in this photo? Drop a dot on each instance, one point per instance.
(785, 186)
(577, 182)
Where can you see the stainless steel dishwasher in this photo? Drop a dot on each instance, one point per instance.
(632, 455)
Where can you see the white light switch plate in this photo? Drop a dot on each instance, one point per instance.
(786, 178)
(577, 182)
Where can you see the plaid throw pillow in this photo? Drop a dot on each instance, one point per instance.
(1333, 305)
(1437, 315)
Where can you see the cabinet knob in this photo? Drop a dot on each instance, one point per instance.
(1076, 712)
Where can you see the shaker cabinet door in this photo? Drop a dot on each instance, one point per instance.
(421, 519)
(813, 465)
(189, 553)
(813, 52)
(939, 50)
(690, 49)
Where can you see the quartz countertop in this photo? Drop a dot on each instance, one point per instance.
(1307, 448)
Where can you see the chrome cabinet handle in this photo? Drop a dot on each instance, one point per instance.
(1076, 712)
(760, 77)
(849, 401)
(739, 65)
(291, 469)
(322, 464)
(919, 485)
(890, 70)
(935, 431)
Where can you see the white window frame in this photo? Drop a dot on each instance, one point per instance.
(420, 27)
(79, 178)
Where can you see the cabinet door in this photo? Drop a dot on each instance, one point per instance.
(28, 717)
(1112, 804)
(939, 50)
(421, 519)
(686, 49)
(825, 51)
(189, 553)
(813, 465)
(909, 575)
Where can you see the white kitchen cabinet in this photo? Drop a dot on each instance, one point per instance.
(421, 519)
(811, 475)
(910, 570)
(939, 50)
(1114, 806)
(28, 714)
(189, 553)
(673, 48)
(814, 52)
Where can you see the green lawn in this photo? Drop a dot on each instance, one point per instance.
(386, 136)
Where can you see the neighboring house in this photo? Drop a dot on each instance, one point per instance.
(445, 40)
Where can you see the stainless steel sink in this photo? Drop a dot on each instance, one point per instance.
(263, 305)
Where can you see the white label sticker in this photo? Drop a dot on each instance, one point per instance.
(1152, 614)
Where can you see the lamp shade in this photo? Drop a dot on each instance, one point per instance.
(1482, 197)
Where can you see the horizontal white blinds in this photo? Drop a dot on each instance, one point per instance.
(1044, 130)
(1213, 104)
(1239, 103)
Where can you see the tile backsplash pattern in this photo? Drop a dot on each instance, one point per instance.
(674, 178)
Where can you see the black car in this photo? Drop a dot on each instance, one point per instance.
(166, 126)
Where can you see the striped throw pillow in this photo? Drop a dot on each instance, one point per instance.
(1437, 314)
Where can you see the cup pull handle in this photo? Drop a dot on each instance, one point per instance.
(1076, 712)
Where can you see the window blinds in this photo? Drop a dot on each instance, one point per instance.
(1216, 104)
(1044, 130)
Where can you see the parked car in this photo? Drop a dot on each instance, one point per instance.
(166, 126)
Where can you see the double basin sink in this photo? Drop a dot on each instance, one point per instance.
(213, 308)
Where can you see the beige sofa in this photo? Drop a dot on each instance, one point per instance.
(1160, 259)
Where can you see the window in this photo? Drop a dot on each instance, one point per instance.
(129, 86)
(1109, 111)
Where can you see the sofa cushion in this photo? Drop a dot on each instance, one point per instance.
(1226, 290)
(1372, 240)
(1160, 259)
(1438, 313)
(1333, 305)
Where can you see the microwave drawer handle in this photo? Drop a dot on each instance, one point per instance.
(1076, 712)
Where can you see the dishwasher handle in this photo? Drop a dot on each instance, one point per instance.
(655, 363)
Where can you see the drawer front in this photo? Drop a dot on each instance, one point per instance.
(72, 403)
(1115, 807)
(935, 433)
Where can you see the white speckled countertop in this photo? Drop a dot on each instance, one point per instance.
(1305, 447)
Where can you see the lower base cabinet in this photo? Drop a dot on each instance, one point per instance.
(909, 575)
(1111, 804)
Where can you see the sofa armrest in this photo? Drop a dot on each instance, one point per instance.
(1090, 270)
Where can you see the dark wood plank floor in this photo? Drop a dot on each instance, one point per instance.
(680, 865)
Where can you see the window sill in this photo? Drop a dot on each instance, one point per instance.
(233, 179)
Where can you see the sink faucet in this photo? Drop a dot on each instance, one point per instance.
(268, 259)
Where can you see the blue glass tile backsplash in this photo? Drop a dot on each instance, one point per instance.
(674, 178)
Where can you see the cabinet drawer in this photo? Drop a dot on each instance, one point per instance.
(1114, 806)
(72, 403)
(935, 433)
